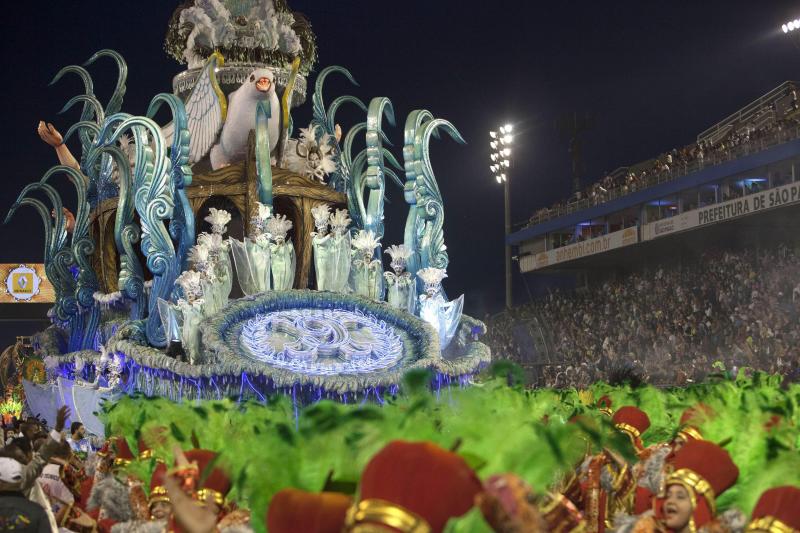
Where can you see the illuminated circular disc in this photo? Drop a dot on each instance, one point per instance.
(321, 341)
(337, 342)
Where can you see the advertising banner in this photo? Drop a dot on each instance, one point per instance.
(614, 240)
(25, 283)
(713, 214)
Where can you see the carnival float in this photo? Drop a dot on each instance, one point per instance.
(297, 302)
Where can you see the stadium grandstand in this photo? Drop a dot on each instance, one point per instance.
(671, 267)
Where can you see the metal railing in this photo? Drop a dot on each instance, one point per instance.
(678, 170)
(752, 110)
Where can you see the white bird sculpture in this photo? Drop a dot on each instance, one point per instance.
(219, 125)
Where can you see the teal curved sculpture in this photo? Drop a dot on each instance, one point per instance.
(82, 249)
(415, 224)
(126, 232)
(57, 255)
(263, 163)
(154, 203)
(75, 295)
(325, 119)
(88, 87)
(181, 227)
(115, 101)
(428, 197)
(150, 185)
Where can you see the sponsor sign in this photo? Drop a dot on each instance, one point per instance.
(25, 283)
(664, 227)
(732, 209)
(614, 240)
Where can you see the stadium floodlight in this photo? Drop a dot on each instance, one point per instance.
(785, 28)
(500, 152)
(501, 162)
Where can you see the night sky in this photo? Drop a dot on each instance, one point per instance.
(654, 75)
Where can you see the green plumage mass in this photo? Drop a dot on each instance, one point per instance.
(495, 427)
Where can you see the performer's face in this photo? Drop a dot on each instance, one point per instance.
(160, 510)
(677, 508)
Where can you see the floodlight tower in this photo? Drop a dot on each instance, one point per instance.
(500, 143)
(792, 25)
(791, 28)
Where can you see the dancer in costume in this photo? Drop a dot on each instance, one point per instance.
(114, 498)
(420, 499)
(158, 505)
(632, 421)
(603, 484)
(701, 471)
(650, 472)
(777, 511)
(198, 491)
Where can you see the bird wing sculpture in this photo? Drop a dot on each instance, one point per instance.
(206, 110)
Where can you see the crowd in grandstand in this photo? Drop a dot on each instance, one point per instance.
(735, 309)
(742, 138)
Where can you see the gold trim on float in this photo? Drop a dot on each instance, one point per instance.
(770, 524)
(287, 93)
(627, 428)
(223, 100)
(690, 432)
(364, 515)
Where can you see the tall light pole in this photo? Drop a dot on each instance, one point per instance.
(500, 144)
